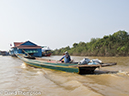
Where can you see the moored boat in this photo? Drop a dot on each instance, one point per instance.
(46, 51)
(73, 67)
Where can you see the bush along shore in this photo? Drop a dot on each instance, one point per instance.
(112, 45)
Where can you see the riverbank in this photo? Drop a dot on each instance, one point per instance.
(113, 45)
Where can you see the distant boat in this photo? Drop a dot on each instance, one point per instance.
(67, 67)
(46, 51)
(4, 53)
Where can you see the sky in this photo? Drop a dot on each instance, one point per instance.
(60, 23)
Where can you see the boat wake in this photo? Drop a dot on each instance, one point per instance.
(39, 72)
(70, 84)
(123, 73)
(24, 66)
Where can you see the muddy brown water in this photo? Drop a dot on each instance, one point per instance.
(17, 79)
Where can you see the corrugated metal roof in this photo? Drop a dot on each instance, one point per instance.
(17, 43)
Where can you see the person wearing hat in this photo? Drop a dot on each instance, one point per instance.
(66, 58)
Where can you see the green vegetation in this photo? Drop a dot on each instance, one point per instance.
(112, 45)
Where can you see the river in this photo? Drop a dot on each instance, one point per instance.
(17, 79)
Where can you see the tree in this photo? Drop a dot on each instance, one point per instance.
(75, 45)
(112, 45)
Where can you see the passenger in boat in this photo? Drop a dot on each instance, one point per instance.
(66, 58)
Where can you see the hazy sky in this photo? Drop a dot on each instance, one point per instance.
(60, 23)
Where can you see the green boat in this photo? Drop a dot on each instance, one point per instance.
(73, 67)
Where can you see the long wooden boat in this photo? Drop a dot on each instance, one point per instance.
(67, 67)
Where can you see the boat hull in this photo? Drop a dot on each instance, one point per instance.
(80, 70)
(67, 67)
(86, 70)
(49, 66)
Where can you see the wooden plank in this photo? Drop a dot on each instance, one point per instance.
(108, 64)
(98, 65)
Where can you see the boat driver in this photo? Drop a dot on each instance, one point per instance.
(66, 58)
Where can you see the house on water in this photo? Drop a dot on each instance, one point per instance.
(26, 48)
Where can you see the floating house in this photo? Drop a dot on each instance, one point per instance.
(26, 48)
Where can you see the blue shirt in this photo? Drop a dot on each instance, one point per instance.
(66, 59)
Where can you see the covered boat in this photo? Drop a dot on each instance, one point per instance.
(46, 51)
(73, 67)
